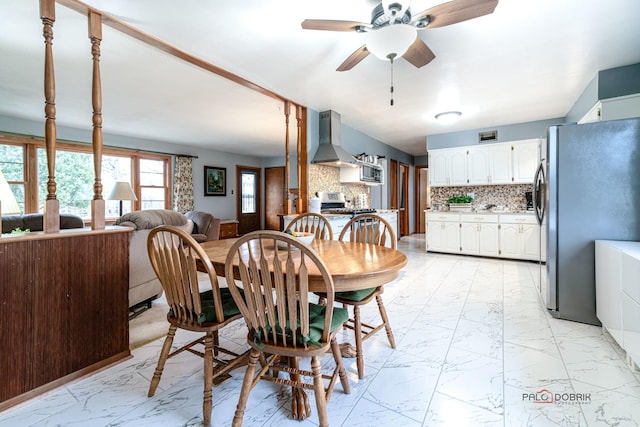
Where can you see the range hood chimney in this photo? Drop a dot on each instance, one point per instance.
(330, 152)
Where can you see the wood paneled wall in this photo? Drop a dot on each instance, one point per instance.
(64, 308)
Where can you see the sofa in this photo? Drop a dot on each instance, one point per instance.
(144, 286)
(34, 222)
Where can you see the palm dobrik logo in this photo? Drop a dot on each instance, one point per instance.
(545, 396)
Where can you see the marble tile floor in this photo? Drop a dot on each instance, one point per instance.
(474, 348)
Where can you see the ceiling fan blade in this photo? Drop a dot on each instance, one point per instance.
(419, 54)
(354, 59)
(331, 25)
(456, 11)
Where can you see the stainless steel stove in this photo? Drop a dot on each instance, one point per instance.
(335, 203)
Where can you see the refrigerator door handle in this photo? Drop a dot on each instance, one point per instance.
(539, 183)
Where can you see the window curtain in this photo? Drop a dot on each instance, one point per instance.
(183, 185)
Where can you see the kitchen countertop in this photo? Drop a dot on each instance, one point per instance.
(484, 212)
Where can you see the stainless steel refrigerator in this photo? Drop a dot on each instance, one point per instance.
(586, 189)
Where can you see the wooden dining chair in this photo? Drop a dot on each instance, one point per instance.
(312, 223)
(174, 255)
(372, 229)
(274, 269)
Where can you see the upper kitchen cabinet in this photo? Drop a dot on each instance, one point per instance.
(525, 158)
(489, 164)
(448, 167)
(502, 163)
(621, 107)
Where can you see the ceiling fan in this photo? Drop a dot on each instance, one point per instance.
(392, 32)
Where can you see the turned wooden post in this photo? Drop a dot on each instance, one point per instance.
(97, 204)
(303, 160)
(287, 163)
(51, 221)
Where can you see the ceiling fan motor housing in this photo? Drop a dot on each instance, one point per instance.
(381, 17)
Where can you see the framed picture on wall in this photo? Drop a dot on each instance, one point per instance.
(215, 181)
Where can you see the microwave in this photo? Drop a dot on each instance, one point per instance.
(364, 173)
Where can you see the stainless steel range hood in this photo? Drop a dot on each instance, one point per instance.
(330, 152)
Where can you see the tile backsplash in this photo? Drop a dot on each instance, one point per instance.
(327, 178)
(509, 196)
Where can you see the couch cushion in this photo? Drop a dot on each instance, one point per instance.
(34, 222)
(151, 218)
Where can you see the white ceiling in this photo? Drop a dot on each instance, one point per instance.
(529, 60)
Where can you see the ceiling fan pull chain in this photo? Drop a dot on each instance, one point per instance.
(391, 56)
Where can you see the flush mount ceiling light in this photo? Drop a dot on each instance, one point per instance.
(448, 116)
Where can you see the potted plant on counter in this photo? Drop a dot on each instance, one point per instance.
(460, 203)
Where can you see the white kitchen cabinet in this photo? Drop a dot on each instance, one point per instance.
(479, 234)
(621, 107)
(502, 163)
(525, 158)
(443, 232)
(448, 167)
(618, 293)
(391, 216)
(519, 236)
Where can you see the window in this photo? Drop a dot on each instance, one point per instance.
(147, 174)
(12, 167)
(248, 192)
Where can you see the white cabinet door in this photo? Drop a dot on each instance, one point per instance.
(478, 159)
(499, 163)
(457, 162)
(530, 242)
(525, 159)
(451, 237)
(438, 168)
(470, 238)
(488, 238)
(509, 240)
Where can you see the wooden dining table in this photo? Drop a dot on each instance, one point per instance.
(352, 266)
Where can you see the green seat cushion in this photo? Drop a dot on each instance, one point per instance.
(358, 295)
(229, 307)
(316, 326)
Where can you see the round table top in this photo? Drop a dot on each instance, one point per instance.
(352, 266)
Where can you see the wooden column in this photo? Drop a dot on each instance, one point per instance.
(303, 160)
(97, 204)
(287, 163)
(51, 221)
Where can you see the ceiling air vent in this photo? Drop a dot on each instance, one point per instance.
(490, 136)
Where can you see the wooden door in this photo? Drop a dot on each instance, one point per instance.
(422, 197)
(403, 200)
(248, 209)
(273, 197)
(393, 184)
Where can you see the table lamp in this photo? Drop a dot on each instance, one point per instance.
(8, 203)
(122, 191)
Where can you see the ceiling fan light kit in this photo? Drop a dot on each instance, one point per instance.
(448, 117)
(392, 39)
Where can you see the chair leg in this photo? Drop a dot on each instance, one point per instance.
(246, 387)
(318, 390)
(216, 343)
(385, 319)
(357, 328)
(207, 401)
(342, 372)
(164, 355)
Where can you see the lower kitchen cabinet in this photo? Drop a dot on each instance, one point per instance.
(519, 237)
(618, 293)
(443, 232)
(515, 236)
(479, 235)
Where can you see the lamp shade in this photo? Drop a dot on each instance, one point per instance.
(8, 203)
(122, 191)
(392, 39)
